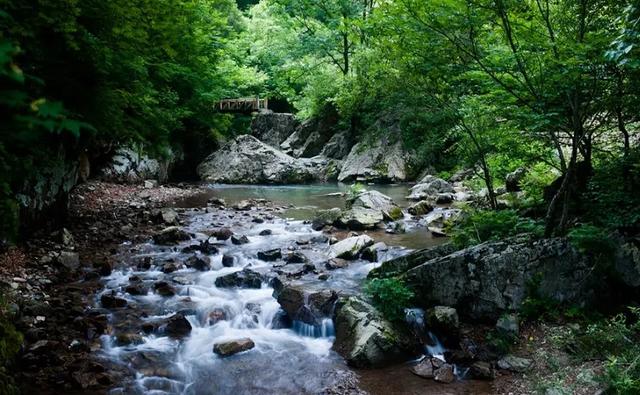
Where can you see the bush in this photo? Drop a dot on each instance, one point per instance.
(593, 240)
(10, 343)
(483, 225)
(535, 180)
(390, 296)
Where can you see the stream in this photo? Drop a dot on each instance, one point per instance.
(287, 359)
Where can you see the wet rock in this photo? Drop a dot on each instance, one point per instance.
(366, 339)
(443, 319)
(177, 326)
(238, 240)
(514, 363)
(351, 247)
(217, 202)
(222, 233)
(324, 218)
(171, 236)
(270, 255)
(371, 253)
(244, 279)
(112, 301)
(205, 247)
(167, 216)
(360, 218)
(423, 369)
(482, 370)
(145, 263)
(69, 260)
(375, 200)
(233, 347)
(321, 239)
(199, 263)
(336, 263)
(323, 277)
(444, 198)
(421, 208)
(281, 320)
(163, 288)
(429, 188)
(508, 325)
(296, 257)
(444, 374)
(125, 339)
(136, 289)
(227, 260)
(215, 316)
(309, 308)
(266, 232)
(243, 205)
(170, 267)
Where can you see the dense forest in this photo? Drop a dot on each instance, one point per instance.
(543, 92)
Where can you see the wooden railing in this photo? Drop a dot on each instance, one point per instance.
(243, 104)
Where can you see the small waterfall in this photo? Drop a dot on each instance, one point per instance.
(325, 329)
(434, 348)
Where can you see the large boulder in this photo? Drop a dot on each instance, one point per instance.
(229, 348)
(351, 247)
(273, 128)
(311, 136)
(431, 188)
(248, 160)
(375, 200)
(326, 217)
(359, 218)
(380, 162)
(338, 146)
(365, 339)
(487, 280)
(129, 164)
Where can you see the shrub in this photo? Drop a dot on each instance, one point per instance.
(593, 240)
(535, 180)
(355, 190)
(10, 343)
(483, 225)
(390, 295)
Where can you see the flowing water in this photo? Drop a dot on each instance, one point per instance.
(293, 360)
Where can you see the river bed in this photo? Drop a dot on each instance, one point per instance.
(294, 360)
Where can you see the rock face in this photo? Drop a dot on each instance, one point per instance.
(233, 347)
(493, 278)
(351, 247)
(375, 200)
(129, 165)
(378, 163)
(431, 188)
(273, 128)
(365, 339)
(248, 160)
(398, 266)
(310, 137)
(338, 146)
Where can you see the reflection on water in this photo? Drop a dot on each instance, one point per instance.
(304, 200)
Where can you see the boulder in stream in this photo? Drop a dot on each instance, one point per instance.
(350, 248)
(307, 307)
(377, 162)
(429, 188)
(177, 326)
(232, 347)
(198, 263)
(365, 339)
(270, 255)
(171, 236)
(375, 200)
(244, 278)
(359, 218)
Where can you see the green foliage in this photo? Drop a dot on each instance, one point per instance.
(535, 180)
(10, 343)
(593, 240)
(390, 296)
(355, 190)
(478, 226)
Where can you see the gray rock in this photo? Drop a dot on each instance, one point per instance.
(222, 233)
(247, 160)
(199, 263)
(482, 370)
(398, 266)
(378, 163)
(238, 240)
(429, 188)
(487, 280)
(508, 324)
(273, 128)
(444, 374)
(375, 200)
(365, 339)
(307, 307)
(296, 257)
(177, 326)
(514, 363)
(351, 247)
(423, 369)
(310, 137)
(244, 279)
(371, 253)
(270, 255)
(325, 218)
(69, 260)
(233, 347)
(171, 236)
(443, 319)
(111, 301)
(129, 165)
(359, 218)
(167, 216)
(163, 288)
(227, 260)
(338, 146)
(421, 208)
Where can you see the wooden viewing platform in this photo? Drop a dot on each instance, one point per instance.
(243, 104)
